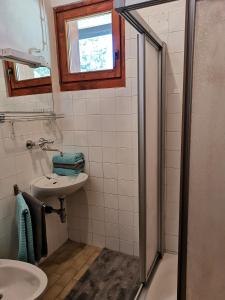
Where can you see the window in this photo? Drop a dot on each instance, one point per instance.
(24, 80)
(90, 38)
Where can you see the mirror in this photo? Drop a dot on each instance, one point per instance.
(23, 72)
(90, 43)
(23, 87)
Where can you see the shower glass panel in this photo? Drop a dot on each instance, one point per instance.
(151, 99)
(151, 148)
(150, 135)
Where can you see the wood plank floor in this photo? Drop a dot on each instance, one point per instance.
(65, 266)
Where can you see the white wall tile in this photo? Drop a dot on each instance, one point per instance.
(175, 63)
(176, 19)
(126, 171)
(95, 198)
(159, 22)
(126, 218)
(176, 41)
(97, 213)
(127, 188)
(95, 154)
(94, 122)
(109, 139)
(98, 227)
(95, 184)
(99, 240)
(107, 105)
(112, 230)
(173, 122)
(126, 247)
(109, 170)
(109, 154)
(110, 186)
(173, 140)
(109, 123)
(111, 215)
(126, 203)
(79, 106)
(80, 138)
(96, 169)
(94, 138)
(93, 105)
(112, 243)
(173, 159)
(174, 103)
(126, 233)
(80, 122)
(111, 201)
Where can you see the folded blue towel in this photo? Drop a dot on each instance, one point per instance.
(68, 158)
(68, 164)
(66, 172)
(25, 233)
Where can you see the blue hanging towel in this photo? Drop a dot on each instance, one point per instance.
(25, 233)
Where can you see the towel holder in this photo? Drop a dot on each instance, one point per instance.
(49, 209)
(16, 189)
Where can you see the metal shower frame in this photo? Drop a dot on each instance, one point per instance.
(147, 34)
(125, 8)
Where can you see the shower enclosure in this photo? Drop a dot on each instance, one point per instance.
(151, 99)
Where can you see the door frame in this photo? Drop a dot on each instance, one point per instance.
(146, 34)
(185, 150)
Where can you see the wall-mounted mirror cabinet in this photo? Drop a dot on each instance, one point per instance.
(25, 65)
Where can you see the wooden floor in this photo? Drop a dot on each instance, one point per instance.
(65, 266)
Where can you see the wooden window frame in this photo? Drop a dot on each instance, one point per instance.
(95, 79)
(24, 87)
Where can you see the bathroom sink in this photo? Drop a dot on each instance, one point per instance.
(20, 280)
(55, 185)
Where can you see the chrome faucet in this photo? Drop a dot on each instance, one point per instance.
(43, 144)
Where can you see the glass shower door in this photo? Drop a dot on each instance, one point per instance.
(150, 154)
(151, 99)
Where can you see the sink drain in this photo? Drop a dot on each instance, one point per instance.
(1, 296)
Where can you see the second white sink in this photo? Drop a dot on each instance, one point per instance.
(21, 281)
(55, 185)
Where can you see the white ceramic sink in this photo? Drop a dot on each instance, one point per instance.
(55, 185)
(20, 281)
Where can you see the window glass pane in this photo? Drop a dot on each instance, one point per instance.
(24, 72)
(90, 44)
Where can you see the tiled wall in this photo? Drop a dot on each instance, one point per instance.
(103, 124)
(40, 103)
(20, 166)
